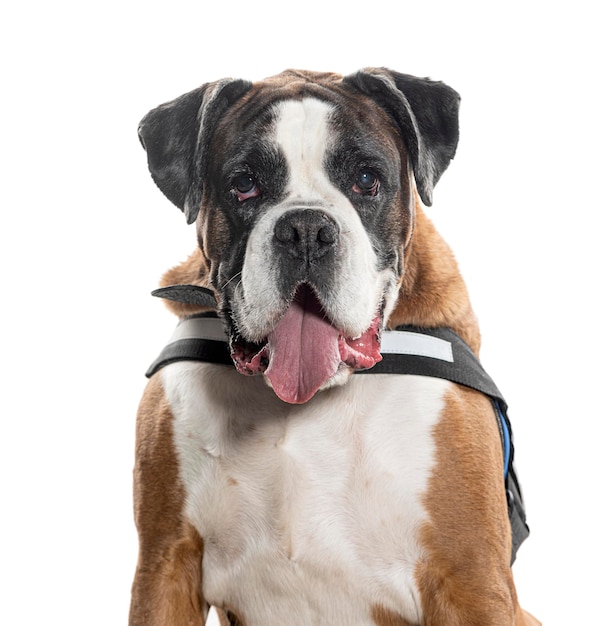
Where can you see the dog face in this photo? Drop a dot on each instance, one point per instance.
(303, 187)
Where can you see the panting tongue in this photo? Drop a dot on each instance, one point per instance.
(303, 350)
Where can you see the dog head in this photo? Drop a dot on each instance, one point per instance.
(303, 187)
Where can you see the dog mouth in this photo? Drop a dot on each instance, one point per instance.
(304, 350)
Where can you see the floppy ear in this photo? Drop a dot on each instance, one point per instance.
(176, 136)
(426, 114)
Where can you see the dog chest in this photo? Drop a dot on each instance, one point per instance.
(310, 508)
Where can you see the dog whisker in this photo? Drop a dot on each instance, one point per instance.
(232, 278)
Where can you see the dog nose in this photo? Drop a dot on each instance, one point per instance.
(307, 234)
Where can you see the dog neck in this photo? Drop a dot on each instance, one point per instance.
(192, 271)
(433, 293)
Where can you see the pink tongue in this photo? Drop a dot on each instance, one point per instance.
(303, 351)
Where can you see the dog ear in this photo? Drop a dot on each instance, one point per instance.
(176, 136)
(426, 114)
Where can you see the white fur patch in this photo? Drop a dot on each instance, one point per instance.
(309, 513)
(304, 137)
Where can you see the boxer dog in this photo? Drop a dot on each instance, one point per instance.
(273, 481)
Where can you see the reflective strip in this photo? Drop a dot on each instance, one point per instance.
(405, 342)
(392, 342)
(199, 328)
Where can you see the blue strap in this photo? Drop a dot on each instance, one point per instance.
(505, 437)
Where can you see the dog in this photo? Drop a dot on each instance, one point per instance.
(282, 476)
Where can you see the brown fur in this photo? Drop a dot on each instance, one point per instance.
(384, 617)
(193, 271)
(433, 293)
(466, 578)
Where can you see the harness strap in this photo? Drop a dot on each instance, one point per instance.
(434, 352)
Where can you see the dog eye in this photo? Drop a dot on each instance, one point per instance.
(245, 187)
(366, 182)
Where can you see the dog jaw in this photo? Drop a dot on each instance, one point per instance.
(304, 351)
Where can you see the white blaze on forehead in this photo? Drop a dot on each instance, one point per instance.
(303, 136)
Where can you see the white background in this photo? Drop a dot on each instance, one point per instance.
(85, 236)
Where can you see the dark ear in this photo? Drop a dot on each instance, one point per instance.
(426, 114)
(176, 136)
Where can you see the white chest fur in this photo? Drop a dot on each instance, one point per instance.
(308, 513)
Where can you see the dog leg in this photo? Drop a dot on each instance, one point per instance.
(167, 585)
(166, 591)
(466, 578)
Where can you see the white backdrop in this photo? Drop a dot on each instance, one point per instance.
(86, 235)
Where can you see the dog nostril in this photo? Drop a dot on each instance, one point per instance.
(328, 233)
(286, 232)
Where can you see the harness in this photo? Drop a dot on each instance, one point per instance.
(434, 352)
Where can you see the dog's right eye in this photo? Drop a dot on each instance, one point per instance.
(367, 183)
(245, 186)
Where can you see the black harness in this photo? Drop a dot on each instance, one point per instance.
(435, 352)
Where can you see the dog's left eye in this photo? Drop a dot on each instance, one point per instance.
(245, 187)
(367, 183)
